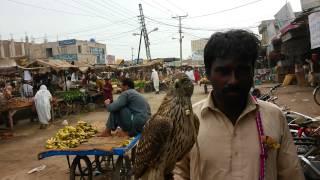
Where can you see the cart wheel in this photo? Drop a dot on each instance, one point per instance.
(104, 163)
(81, 168)
(123, 168)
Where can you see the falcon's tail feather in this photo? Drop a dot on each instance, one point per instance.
(153, 174)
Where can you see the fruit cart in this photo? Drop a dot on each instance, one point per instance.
(103, 151)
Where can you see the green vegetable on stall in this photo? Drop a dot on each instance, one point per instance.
(72, 95)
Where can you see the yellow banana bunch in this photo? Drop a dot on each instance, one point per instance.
(71, 137)
(127, 142)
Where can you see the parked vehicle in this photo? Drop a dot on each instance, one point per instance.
(316, 95)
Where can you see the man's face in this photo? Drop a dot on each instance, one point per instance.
(124, 87)
(231, 79)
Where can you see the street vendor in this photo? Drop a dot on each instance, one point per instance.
(27, 89)
(239, 137)
(42, 101)
(129, 112)
(155, 80)
(107, 90)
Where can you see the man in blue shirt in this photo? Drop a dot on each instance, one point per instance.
(129, 112)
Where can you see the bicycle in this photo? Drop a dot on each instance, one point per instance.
(316, 95)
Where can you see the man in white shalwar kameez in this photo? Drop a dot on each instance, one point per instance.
(155, 80)
(42, 101)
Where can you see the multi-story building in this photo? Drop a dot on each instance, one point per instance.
(268, 30)
(11, 49)
(71, 50)
(197, 48)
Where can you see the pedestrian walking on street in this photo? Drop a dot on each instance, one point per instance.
(196, 76)
(42, 101)
(190, 74)
(239, 137)
(155, 80)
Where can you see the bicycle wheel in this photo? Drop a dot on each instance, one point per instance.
(316, 95)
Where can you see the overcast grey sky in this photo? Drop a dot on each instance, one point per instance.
(114, 21)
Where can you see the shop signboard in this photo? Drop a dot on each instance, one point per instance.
(308, 4)
(67, 42)
(314, 27)
(67, 57)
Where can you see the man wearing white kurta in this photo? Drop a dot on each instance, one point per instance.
(190, 74)
(155, 80)
(42, 101)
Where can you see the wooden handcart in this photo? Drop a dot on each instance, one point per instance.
(105, 151)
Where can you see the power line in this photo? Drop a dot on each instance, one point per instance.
(88, 6)
(157, 8)
(49, 9)
(119, 35)
(192, 35)
(191, 28)
(226, 10)
(84, 9)
(90, 29)
(176, 6)
(121, 7)
(112, 8)
(160, 5)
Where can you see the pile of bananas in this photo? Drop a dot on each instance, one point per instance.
(126, 142)
(71, 137)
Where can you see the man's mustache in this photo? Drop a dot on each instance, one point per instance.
(228, 89)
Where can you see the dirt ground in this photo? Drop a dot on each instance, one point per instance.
(18, 155)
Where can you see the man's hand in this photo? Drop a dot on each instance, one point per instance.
(107, 102)
(121, 133)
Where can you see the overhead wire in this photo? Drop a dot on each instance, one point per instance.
(117, 35)
(121, 7)
(87, 29)
(160, 5)
(113, 8)
(191, 28)
(50, 9)
(225, 10)
(90, 7)
(176, 6)
(154, 7)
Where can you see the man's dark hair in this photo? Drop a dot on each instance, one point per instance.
(2, 84)
(128, 82)
(238, 44)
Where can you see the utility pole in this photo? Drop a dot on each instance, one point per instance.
(132, 54)
(144, 33)
(139, 47)
(180, 32)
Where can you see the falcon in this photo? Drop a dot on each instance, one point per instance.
(169, 134)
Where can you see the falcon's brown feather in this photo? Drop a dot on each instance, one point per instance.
(169, 134)
(150, 144)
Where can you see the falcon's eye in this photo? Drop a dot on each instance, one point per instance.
(176, 83)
